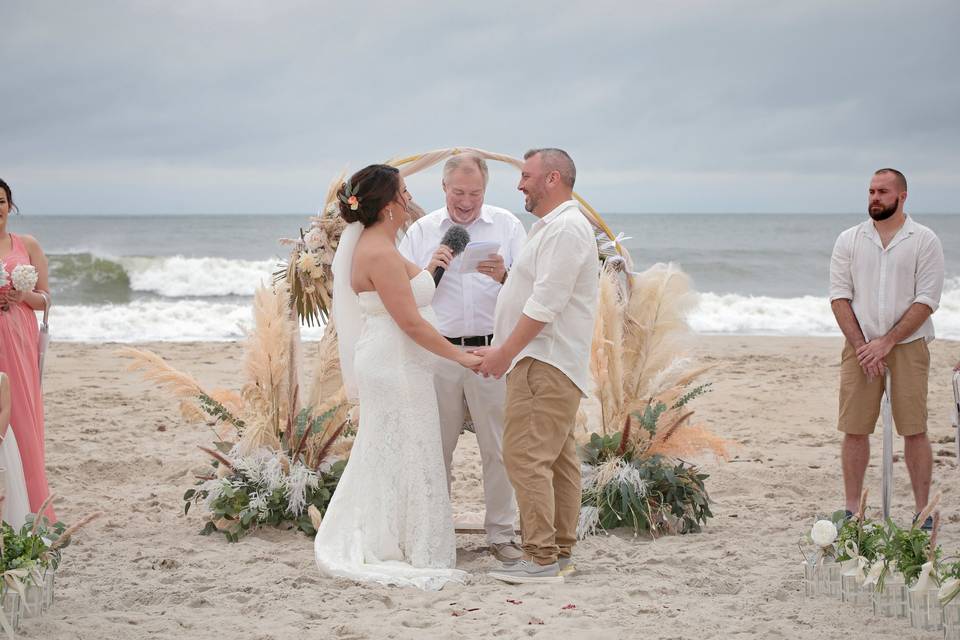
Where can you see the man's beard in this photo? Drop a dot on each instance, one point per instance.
(883, 214)
(531, 202)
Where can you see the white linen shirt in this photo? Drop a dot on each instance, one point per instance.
(555, 280)
(882, 283)
(464, 302)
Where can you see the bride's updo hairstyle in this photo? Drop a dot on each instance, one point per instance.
(367, 192)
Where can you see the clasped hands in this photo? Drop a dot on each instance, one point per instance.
(872, 354)
(487, 361)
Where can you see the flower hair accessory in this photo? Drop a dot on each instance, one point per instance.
(349, 196)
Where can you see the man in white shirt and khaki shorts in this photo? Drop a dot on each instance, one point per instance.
(464, 304)
(886, 277)
(542, 334)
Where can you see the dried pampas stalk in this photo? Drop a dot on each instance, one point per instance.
(932, 556)
(43, 507)
(153, 368)
(66, 535)
(655, 327)
(267, 360)
(863, 504)
(607, 351)
(326, 380)
(927, 510)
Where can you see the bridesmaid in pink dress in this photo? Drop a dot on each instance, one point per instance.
(19, 344)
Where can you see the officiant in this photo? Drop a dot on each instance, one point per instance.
(464, 305)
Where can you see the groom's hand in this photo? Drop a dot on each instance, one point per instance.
(495, 362)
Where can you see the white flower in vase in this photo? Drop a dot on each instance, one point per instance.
(24, 277)
(824, 533)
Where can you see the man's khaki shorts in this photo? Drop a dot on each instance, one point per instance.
(909, 366)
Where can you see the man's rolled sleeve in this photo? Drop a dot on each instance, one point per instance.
(841, 278)
(558, 263)
(930, 273)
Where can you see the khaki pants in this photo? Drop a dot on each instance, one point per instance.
(486, 398)
(541, 457)
(860, 398)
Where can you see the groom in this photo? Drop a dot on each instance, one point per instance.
(542, 332)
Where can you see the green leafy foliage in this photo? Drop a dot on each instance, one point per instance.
(867, 538)
(909, 548)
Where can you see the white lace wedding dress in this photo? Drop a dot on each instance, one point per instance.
(390, 519)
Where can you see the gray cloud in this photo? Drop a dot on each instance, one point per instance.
(243, 106)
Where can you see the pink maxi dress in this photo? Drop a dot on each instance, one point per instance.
(19, 358)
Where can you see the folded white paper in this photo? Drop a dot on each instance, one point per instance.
(475, 253)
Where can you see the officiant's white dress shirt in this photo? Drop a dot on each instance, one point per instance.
(554, 280)
(881, 283)
(464, 302)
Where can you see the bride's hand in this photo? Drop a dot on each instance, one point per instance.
(469, 360)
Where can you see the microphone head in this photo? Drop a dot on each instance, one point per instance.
(456, 238)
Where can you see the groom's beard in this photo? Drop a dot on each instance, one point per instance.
(882, 214)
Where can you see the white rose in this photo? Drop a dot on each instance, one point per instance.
(24, 277)
(823, 533)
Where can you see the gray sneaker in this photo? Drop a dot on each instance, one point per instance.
(506, 552)
(526, 572)
(567, 568)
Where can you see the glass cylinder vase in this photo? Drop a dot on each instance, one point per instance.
(853, 593)
(925, 612)
(951, 620)
(33, 600)
(891, 600)
(809, 579)
(12, 607)
(48, 582)
(828, 578)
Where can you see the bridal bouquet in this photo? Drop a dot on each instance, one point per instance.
(24, 277)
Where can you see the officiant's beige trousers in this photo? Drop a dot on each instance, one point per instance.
(540, 454)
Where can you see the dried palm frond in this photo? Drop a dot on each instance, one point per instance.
(155, 369)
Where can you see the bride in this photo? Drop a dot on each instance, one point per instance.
(390, 519)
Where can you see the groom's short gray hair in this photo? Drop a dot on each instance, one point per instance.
(556, 160)
(464, 160)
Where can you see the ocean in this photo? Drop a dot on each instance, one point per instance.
(192, 278)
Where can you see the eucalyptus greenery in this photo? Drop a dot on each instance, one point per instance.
(652, 494)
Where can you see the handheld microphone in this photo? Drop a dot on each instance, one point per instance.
(456, 238)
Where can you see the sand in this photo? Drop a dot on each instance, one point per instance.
(116, 445)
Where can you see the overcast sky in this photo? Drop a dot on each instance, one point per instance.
(174, 106)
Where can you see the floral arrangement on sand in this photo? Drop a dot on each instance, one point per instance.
(633, 471)
(875, 552)
(26, 555)
(272, 462)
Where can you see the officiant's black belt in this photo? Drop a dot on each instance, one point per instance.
(473, 341)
